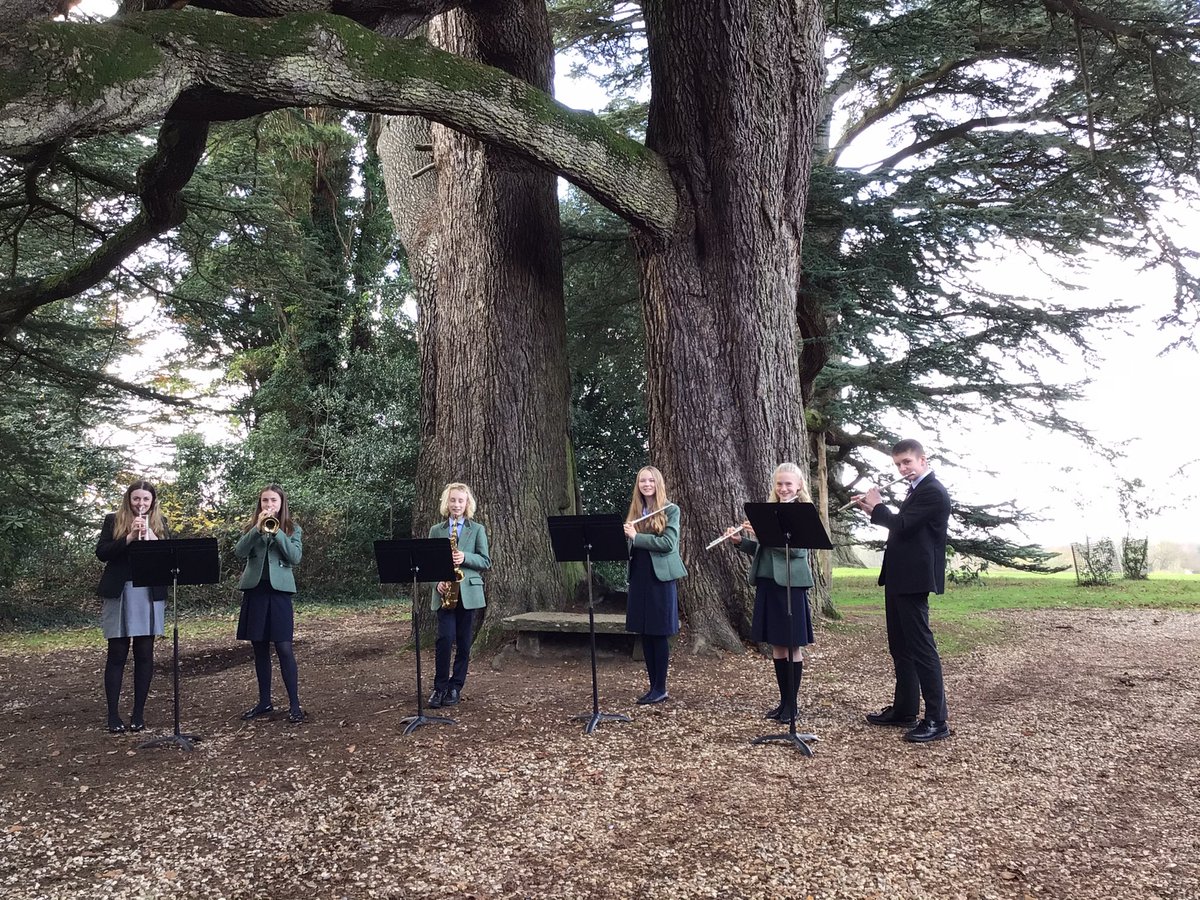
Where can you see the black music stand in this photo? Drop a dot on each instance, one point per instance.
(788, 525)
(587, 538)
(176, 562)
(398, 562)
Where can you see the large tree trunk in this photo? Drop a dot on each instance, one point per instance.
(735, 87)
(495, 391)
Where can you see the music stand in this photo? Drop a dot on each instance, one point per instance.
(587, 538)
(174, 562)
(398, 562)
(788, 525)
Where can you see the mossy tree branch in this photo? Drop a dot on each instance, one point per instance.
(62, 80)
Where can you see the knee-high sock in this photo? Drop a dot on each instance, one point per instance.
(262, 670)
(798, 672)
(143, 673)
(781, 680)
(114, 672)
(287, 668)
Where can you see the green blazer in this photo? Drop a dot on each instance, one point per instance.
(664, 548)
(282, 551)
(801, 574)
(474, 545)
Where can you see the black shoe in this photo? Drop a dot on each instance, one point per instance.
(889, 716)
(116, 726)
(450, 698)
(928, 730)
(645, 698)
(136, 725)
(436, 699)
(297, 715)
(774, 713)
(657, 697)
(258, 709)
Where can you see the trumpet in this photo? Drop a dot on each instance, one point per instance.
(649, 514)
(269, 525)
(881, 487)
(737, 530)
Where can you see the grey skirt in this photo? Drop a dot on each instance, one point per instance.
(133, 614)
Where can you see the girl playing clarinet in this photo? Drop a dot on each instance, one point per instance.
(129, 613)
(652, 529)
(769, 573)
(272, 545)
(456, 602)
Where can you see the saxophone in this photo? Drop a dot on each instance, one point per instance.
(450, 598)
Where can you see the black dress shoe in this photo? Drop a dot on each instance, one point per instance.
(296, 716)
(774, 713)
(136, 726)
(450, 698)
(116, 726)
(657, 697)
(436, 699)
(928, 730)
(645, 698)
(258, 709)
(889, 716)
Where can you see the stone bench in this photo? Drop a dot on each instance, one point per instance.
(531, 626)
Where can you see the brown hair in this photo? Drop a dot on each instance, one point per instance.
(284, 515)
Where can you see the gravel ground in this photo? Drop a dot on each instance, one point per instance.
(1073, 773)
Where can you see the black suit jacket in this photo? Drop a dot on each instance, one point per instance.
(914, 559)
(117, 570)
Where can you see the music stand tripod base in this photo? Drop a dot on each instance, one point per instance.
(412, 723)
(799, 741)
(595, 718)
(183, 741)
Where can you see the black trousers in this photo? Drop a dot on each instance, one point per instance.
(914, 656)
(456, 630)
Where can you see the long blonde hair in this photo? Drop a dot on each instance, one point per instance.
(792, 469)
(125, 514)
(657, 522)
(444, 502)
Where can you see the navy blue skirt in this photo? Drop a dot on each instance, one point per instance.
(770, 615)
(267, 615)
(653, 605)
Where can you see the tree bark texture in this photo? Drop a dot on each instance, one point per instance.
(734, 105)
(495, 389)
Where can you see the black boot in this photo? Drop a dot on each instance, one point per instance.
(781, 680)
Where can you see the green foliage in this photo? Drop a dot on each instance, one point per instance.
(606, 349)
(963, 570)
(1095, 562)
(1135, 562)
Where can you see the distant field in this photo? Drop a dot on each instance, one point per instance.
(960, 615)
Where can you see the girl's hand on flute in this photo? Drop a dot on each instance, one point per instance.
(630, 531)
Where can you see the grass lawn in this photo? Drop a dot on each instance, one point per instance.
(959, 616)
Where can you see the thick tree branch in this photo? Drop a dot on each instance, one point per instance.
(161, 179)
(59, 82)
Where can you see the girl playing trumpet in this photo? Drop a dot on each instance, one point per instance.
(654, 567)
(129, 613)
(769, 573)
(272, 545)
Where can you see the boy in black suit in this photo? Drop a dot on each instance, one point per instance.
(914, 563)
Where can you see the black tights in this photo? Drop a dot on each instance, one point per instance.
(287, 668)
(114, 673)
